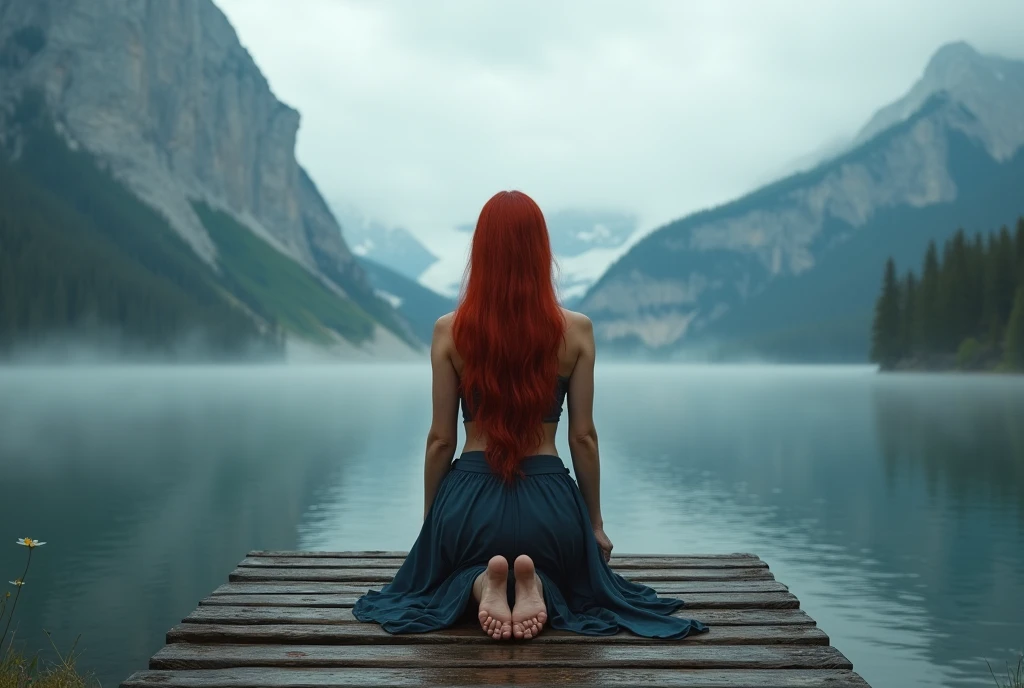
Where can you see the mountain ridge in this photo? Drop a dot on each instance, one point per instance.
(675, 284)
(173, 106)
(418, 304)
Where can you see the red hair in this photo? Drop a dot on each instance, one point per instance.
(508, 329)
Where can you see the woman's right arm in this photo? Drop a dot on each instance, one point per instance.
(444, 426)
(582, 433)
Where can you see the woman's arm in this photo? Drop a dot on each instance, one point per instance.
(582, 433)
(444, 425)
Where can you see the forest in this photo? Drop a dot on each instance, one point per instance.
(81, 258)
(964, 311)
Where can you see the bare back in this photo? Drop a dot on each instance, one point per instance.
(575, 362)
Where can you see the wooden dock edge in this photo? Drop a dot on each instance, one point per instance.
(284, 620)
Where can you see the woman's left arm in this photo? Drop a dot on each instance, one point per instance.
(443, 433)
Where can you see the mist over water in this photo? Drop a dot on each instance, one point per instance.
(893, 506)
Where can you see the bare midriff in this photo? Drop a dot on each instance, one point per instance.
(476, 443)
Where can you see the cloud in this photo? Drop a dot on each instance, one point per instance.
(418, 112)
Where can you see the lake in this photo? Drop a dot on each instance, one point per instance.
(893, 506)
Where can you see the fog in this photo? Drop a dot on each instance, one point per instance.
(418, 112)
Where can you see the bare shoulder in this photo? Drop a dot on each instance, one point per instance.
(579, 336)
(444, 323)
(443, 329)
(577, 325)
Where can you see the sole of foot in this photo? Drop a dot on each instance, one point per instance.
(492, 588)
(530, 612)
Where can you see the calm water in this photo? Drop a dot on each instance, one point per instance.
(892, 506)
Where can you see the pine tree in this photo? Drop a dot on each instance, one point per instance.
(955, 291)
(967, 304)
(989, 326)
(1014, 353)
(886, 345)
(929, 316)
(1019, 251)
(1004, 277)
(976, 263)
(910, 325)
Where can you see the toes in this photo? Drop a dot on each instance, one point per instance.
(496, 628)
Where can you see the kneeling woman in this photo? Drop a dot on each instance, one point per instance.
(510, 355)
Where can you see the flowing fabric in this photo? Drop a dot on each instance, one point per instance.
(475, 516)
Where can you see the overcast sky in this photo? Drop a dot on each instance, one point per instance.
(417, 112)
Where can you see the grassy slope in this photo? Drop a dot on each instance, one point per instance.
(278, 288)
(350, 277)
(78, 251)
(420, 306)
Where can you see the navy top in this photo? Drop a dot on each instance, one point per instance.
(561, 387)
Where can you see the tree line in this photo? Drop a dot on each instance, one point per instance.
(966, 310)
(80, 256)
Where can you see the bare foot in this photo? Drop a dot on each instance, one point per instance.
(530, 612)
(491, 590)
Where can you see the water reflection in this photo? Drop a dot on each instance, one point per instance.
(150, 485)
(956, 446)
(964, 436)
(892, 506)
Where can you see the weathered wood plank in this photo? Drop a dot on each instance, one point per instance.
(473, 678)
(285, 621)
(385, 575)
(520, 655)
(381, 554)
(619, 564)
(697, 600)
(357, 554)
(305, 615)
(359, 587)
(359, 633)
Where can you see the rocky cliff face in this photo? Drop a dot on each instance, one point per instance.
(163, 92)
(990, 87)
(677, 283)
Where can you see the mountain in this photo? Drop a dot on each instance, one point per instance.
(392, 247)
(417, 304)
(790, 271)
(990, 87)
(161, 100)
(585, 243)
(574, 232)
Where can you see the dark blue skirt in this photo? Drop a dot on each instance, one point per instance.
(476, 516)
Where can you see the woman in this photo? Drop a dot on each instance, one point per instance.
(509, 354)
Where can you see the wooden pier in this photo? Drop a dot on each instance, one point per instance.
(285, 621)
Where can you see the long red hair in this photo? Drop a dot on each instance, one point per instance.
(508, 329)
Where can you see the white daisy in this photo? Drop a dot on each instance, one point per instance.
(30, 543)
